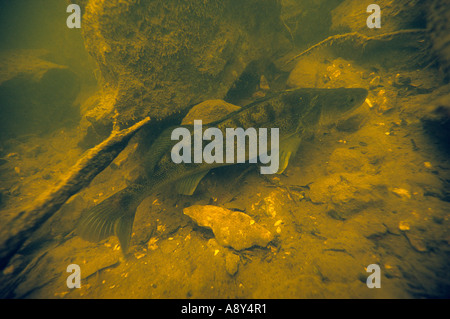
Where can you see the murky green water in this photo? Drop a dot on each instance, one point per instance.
(372, 188)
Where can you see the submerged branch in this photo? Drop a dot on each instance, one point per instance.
(356, 43)
(17, 231)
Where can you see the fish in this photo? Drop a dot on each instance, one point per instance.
(297, 113)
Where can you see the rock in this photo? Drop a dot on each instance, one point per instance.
(320, 190)
(231, 229)
(37, 96)
(158, 57)
(402, 193)
(306, 73)
(347, 194)
(209, 111)
(232, 263)
(403, 225)
(385, 100)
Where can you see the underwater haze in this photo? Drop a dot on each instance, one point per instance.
(98, 98)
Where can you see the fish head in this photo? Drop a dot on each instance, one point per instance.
(307, 108)
(339, 103)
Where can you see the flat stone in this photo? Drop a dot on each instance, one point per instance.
(231, 229)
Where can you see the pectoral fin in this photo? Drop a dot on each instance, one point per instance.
(187, 185)
(113, 216)
(288, 149)
(284, 161)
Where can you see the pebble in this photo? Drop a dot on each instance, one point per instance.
(8, 270)
(402, 225)
(427, 165)
(139, 255)
(152, 243)
(402, 193)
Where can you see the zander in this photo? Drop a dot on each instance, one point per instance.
(297, 113)
(234, 147)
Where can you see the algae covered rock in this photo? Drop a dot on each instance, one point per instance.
(306, 73)
(348, 194)
(159, 57)
(231, 229)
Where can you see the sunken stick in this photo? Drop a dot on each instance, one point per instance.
(95, 160)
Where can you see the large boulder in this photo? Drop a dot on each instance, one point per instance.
(158, 57)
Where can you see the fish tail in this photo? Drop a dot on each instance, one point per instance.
(112, 217)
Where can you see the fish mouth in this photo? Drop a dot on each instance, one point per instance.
(358, 98)
(331, 114)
